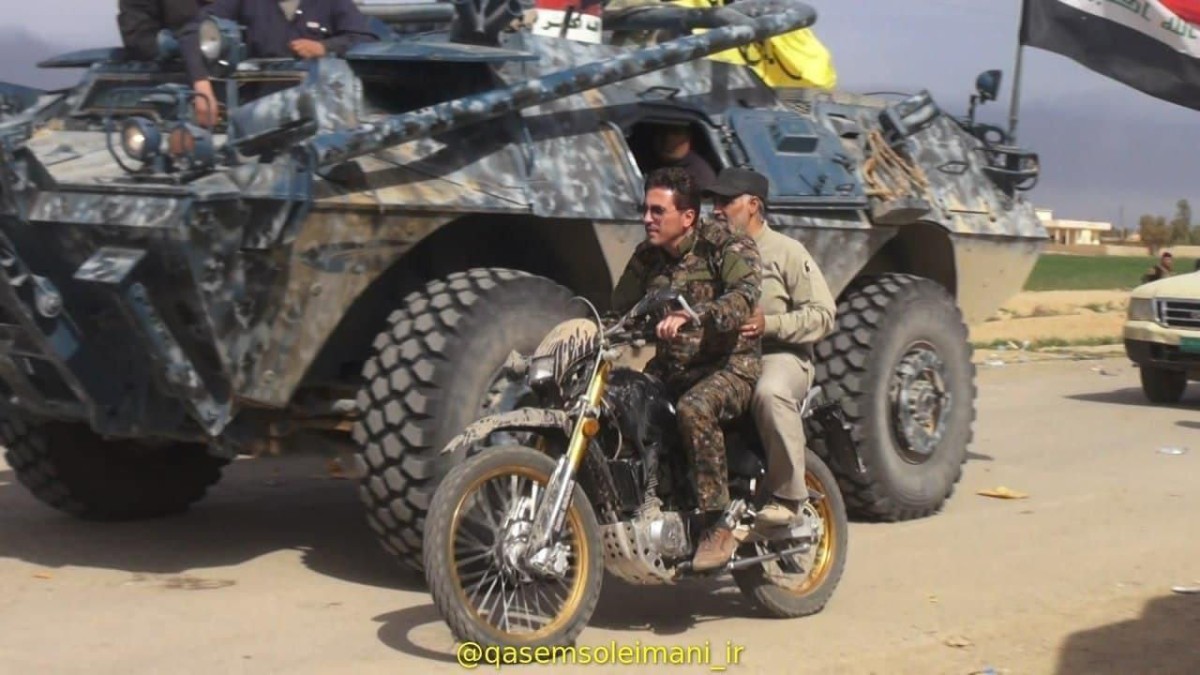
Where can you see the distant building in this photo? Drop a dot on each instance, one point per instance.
(1073, 232)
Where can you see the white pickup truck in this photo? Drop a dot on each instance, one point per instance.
(1162, 335)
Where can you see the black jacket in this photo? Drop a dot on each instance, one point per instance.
(338, 24)
(141, 20)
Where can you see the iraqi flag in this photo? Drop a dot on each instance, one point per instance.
(1150, 45)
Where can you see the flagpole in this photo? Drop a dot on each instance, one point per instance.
(1016, 97)
(1016, 87)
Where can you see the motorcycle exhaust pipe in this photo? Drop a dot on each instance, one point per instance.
(769, 557)
(686, 567)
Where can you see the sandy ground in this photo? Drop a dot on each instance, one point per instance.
(1031, 303)
(1066, 315)
(276, 572)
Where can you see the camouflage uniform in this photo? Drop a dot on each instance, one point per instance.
(710, 368)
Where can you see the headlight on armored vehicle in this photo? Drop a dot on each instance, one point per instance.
(1142, 309)
(191, 144)
(210, 40)
(140, 138)
(220, 42)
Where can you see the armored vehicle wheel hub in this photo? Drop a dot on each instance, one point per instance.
(920, 402)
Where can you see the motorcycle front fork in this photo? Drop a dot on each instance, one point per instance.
(553, 507)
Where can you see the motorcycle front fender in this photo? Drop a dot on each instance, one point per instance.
(524, 419)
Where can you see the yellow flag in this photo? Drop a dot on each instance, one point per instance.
(796, 59)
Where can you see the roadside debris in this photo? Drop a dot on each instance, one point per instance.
(1002, 493)
(43, 575)
(958, 642)
(1187, 590)
(186, 583)
(994, 363)
(335, 470)
(1172, 450)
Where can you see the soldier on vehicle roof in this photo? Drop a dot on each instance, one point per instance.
(306, 29)
(141, 21)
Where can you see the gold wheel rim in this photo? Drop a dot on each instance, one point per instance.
(580, 573)
(824, 551)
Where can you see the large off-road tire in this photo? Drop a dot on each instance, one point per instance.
(787, 588)
(1163, 386)
(70, 468)
(436, 369)
(461, 556)
(900, 333)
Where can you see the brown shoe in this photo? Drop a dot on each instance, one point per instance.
(716, 548)
(779, 513)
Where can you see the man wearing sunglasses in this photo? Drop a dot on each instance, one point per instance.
(709, 366)
(797, 310)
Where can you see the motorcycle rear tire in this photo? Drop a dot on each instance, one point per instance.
(812, 595)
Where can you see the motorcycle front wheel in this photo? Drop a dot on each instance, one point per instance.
(475, 564)
(801, 584)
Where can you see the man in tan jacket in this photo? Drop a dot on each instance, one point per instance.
(796, 311)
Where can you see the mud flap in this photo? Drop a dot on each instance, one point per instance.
(834, 431)
(115, 270)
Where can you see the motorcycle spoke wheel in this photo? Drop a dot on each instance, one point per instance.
(800, 584)
(489, 531)
(800, 573)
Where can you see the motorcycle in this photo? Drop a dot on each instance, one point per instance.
(591, 476)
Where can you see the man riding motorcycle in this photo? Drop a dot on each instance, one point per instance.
(708, 365)
(796, 311)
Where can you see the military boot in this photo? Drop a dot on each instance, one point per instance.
(716, 548)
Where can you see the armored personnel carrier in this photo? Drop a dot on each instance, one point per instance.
(361, 242)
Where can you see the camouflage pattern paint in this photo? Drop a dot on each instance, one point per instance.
(247, 268)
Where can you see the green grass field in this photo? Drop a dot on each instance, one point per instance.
(1086, 273)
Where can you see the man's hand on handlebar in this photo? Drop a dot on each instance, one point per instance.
(669, 327)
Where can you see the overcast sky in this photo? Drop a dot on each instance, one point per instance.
(1106, 148)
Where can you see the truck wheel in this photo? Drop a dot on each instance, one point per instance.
(69, 467)
(434, 371)
(1163, 386)
(901, 360)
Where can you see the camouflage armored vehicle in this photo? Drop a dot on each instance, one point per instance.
(362, 241)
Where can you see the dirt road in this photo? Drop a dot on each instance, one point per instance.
(277, 573)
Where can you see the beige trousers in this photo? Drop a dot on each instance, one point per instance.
(776, 409)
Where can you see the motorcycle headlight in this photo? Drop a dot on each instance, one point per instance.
(140, 138)
(1142, 309)
(541, 370)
